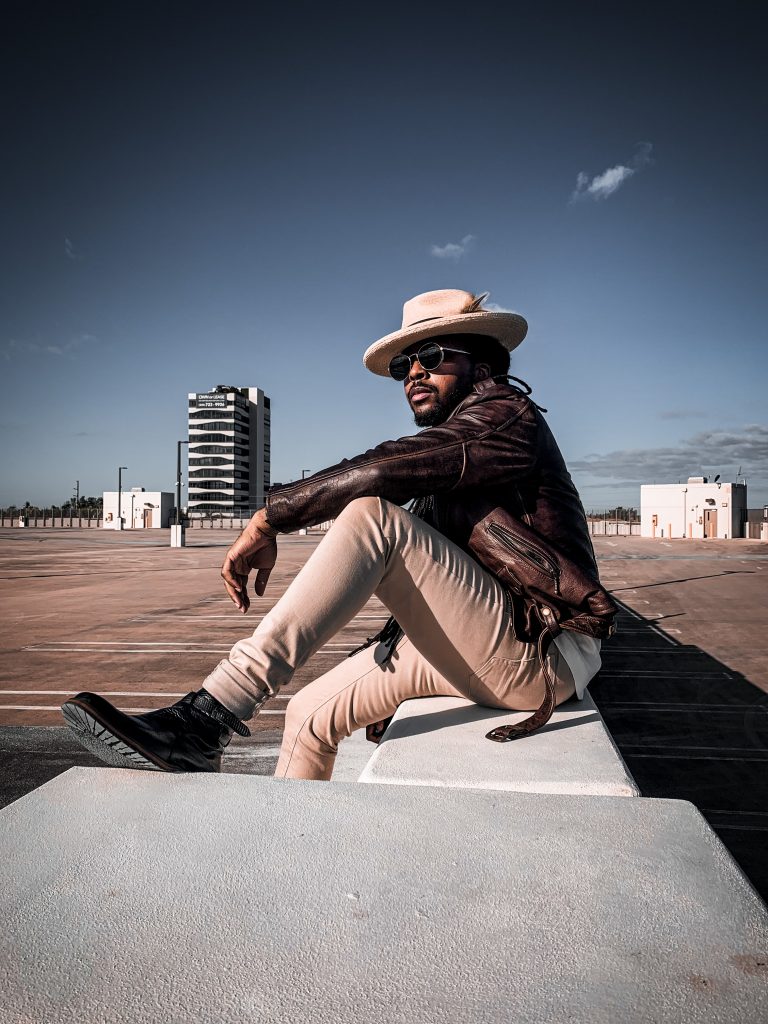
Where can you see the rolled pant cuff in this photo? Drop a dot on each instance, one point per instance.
(235, 691)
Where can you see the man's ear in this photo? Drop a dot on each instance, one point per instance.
(482, 372)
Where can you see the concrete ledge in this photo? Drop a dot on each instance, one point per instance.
(133, 898)
(440, 741)
(354, 754)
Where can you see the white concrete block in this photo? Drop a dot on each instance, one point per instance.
(354, 754)
(133, 898)
(440, 741)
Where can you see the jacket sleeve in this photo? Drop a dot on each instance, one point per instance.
(490, 442)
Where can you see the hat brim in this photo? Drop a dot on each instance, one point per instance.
(509, 329)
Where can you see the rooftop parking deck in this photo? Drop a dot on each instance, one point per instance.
(683, 687)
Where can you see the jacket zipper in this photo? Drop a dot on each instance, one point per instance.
(528, 551)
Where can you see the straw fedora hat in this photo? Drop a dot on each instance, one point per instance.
(447, 311)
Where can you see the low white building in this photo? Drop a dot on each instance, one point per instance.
(696, 508)
(139, 509)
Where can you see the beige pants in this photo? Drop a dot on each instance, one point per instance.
(458, 639)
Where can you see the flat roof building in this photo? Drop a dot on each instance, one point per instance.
(229, 451)
(139, 509)
(696, 508)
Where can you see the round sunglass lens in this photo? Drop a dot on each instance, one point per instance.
(430, 356)
(399, 367)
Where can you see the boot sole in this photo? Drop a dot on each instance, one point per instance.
(107, 745)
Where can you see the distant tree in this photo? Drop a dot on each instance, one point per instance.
(620, 512)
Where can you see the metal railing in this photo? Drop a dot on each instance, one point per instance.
(50, 518)
(614, 527)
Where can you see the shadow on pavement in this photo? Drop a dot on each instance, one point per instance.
(690, 728)
(33, 755)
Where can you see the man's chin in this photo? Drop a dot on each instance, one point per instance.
(431, 416)
(439, 407)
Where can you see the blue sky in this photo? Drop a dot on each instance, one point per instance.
(197, 194)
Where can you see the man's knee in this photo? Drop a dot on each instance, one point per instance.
(377, 512)
(309, 721)
(367, 507)
(298, 710)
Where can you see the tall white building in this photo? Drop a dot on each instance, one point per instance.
(229, 447)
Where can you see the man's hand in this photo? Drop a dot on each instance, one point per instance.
(255, 548)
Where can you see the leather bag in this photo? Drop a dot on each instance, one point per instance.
(549, 593)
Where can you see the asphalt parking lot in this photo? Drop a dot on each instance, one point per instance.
(684, 685)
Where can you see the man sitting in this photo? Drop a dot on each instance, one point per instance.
(486, 447)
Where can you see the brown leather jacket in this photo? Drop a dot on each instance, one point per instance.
(495, 450)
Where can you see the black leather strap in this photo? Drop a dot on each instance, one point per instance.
(210, 706)
(540, 717)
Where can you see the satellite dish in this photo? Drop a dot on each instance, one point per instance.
(717, 478)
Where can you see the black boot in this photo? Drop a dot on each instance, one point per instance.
(190, 736)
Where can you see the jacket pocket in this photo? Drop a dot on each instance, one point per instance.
(525, 551)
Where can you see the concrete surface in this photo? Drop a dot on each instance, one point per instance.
(199, 899)
(683, 690)
(34, 754)
(440, 741)
(126, 615)
(354, 754)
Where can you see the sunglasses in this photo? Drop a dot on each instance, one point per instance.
(430, 356)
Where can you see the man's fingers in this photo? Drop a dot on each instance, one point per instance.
(262, 578)
(236, 585)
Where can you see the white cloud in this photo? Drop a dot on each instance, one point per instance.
(15, 347)
(70, 251)
(708, 452)
(453, 250)
(611, 179)
(494, 307)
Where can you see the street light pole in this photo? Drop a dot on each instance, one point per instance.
(177, 531)
(120, 495)
(304, 471)
(178, 480)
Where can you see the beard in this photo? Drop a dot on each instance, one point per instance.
(442, 408)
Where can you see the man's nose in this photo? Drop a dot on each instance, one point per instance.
(417, 371)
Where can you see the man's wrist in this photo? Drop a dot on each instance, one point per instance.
(259, 522)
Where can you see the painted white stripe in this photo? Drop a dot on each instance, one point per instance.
(140, 643)
(640, 618)
(128, 711)
(246, 753)
(695, 757)
(111, 647)
(676, 705)
(619, 652)
(125, 650)
(106, 552)
(123, 643)
(234, 617)
(630, 749)
(672, 674)
(113, 693)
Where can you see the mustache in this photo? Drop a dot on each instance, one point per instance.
(421, 387)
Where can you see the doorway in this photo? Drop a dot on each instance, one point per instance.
(710, 522)
(147, 517)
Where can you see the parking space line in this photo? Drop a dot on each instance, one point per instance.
(127, 711)
(671, 756)
(149, 647)
(111, 693)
